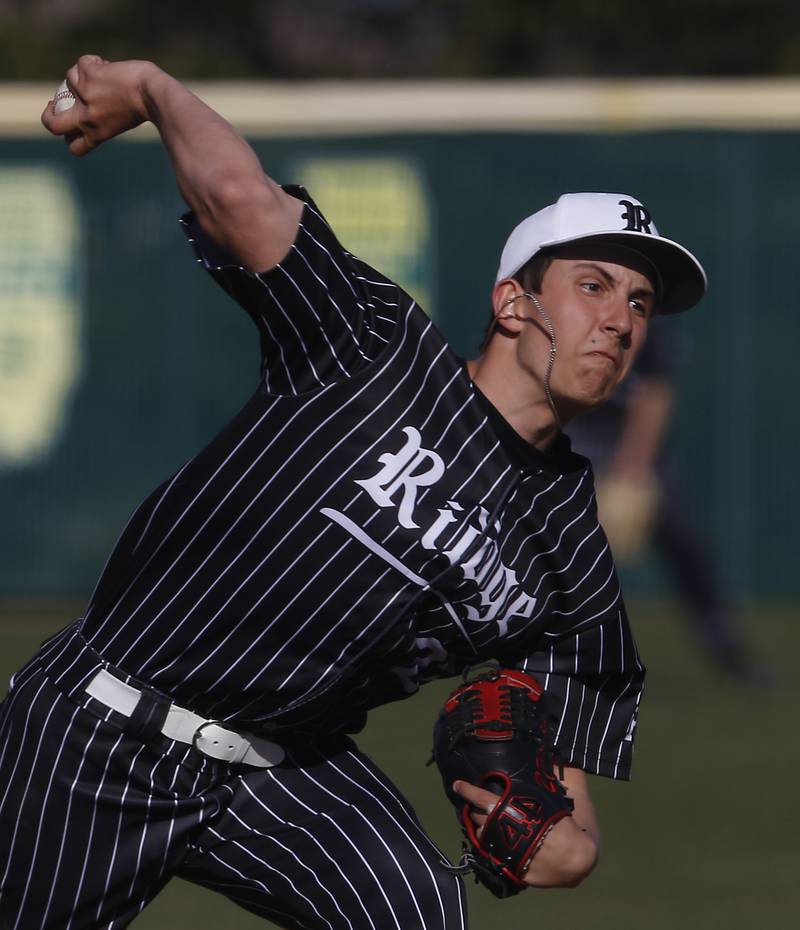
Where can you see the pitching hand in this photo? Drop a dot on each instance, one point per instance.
(109, 100)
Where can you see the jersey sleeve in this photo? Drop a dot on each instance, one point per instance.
(322, 314)
(596, 678)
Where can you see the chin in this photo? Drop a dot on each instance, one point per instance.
(592, 386)
(593, 395)
(593, 403)
(588, 390)
(603, 397)
(578, 403)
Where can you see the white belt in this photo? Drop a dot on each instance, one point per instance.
(207, 736)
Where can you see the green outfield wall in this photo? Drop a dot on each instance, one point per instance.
(119, 358)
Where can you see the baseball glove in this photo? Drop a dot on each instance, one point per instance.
(495, 731)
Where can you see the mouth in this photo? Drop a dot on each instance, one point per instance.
(610, 356)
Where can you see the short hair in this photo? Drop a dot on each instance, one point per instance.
(530, 277)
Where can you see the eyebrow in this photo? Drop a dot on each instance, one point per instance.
(610, 279)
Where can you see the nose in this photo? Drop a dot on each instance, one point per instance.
(618, 319)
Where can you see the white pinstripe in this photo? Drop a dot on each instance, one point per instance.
(588, 729)
(247, 880)
(41, 810)
(376, 334)
(526, 515)
(265, 594)
(296, 858)
(119, 829)
(381, 840)
(290, 321)
(341, 315)
(181, 517)
(367, 866)
(308, 620)
(563, 712)
(160, 501)
(310, 836)
(568, 565)
(286, 367)
(404, 831)
(345, 277)
(583, 603)
(13, 773)
(91, 832)
(608, 724)
(550, 513)
(423, 836)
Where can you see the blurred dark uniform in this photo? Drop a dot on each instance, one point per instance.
(675, 534)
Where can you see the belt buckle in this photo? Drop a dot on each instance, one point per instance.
(249, 750)
(199, 732)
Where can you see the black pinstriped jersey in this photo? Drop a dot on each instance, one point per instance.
(364, 524)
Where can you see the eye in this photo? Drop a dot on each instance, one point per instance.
(640, 308)
(593, 287)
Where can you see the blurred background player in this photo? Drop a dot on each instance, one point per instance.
(643, 501)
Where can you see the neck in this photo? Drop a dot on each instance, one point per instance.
(526, 411)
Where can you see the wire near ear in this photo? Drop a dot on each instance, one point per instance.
(509, 314)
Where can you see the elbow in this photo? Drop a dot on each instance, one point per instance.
(578, 864)
(231, 193)
(228, 197)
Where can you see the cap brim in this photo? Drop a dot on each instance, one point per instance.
(682, 276)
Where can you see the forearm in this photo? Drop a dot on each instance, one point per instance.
(572, 848)
(217, 172)
(645, 428)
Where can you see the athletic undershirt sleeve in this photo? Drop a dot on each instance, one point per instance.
(322, 314)
(596, 677)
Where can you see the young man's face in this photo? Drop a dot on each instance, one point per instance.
(599, 298)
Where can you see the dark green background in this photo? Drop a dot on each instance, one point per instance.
(169, 357)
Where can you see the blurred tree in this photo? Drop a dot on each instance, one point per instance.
(197, 38)
(621, 38)
(406, 38)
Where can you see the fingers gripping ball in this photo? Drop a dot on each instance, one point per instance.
(495, 731)
(64, 98)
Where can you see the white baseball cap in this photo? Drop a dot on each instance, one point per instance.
(617, 218)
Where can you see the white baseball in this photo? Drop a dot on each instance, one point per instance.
(64, 98)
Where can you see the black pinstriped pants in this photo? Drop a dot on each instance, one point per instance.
(95, 820)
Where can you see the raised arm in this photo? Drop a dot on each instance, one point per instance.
(218, 173)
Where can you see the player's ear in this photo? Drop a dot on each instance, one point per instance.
(505, 295)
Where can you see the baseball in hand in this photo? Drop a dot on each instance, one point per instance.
(64, 98)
